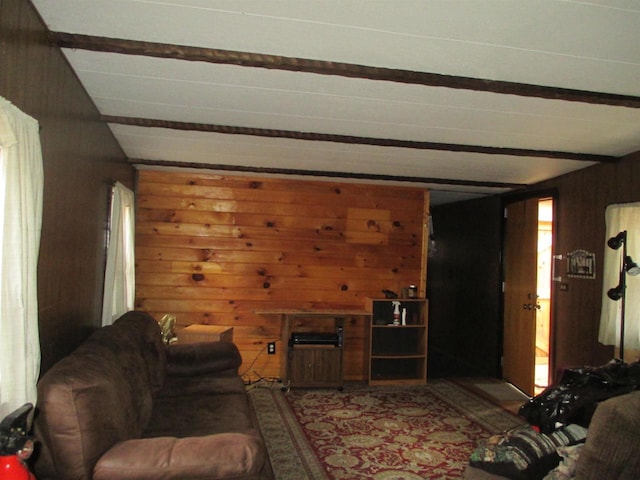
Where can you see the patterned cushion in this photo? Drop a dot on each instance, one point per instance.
(523, 453)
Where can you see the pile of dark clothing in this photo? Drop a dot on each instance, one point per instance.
(575, 397)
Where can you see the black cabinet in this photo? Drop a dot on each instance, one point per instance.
(398, 353)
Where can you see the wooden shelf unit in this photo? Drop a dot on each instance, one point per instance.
(398, 353)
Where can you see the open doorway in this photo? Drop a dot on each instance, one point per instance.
(543, 306)
(527, 300)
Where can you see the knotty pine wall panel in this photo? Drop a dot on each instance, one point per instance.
(218, 249)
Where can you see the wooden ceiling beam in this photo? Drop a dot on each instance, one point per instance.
(322, 67)
(380, 142)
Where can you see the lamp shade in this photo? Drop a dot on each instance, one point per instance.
(616, 292)
(617, 241)
(631, 267)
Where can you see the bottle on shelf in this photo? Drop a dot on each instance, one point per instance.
(396, 313)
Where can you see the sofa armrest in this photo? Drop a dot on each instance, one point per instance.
(202, 358)
(224, 455)
(611, 449)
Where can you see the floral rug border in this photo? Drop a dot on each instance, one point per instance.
(292, 456)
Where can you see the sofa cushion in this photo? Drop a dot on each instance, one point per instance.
(209, 457)
(522, 452)
(188, 416)
(201, 385)
(611, 449)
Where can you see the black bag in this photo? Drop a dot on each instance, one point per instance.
(576, 396)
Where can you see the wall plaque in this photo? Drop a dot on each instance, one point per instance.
(581, 264)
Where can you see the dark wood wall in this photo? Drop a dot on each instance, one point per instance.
(221, 249)
(81, 159)
(582, 197)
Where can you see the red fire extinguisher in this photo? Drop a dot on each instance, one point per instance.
(16, 446)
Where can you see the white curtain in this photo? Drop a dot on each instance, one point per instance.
(119, 283)
(619, 217)
(21, 187)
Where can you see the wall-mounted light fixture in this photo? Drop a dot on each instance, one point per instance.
(627, 267)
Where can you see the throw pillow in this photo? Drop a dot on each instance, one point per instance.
(522, 453)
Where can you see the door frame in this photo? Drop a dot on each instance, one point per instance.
(506, 201)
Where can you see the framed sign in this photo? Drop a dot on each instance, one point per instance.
(581, 264)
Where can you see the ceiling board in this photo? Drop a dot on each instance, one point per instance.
(551, 42)
(583, 46)
(252, 97)
(249, 151)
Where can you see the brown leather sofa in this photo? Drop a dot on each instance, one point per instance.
(125, 406)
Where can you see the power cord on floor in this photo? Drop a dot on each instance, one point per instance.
(263, 382)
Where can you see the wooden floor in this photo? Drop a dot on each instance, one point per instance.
(496, 391)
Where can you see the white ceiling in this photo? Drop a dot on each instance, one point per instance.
(590, 46)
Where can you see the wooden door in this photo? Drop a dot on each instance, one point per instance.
(328, 366)
(520, 297)
(301, 366)
(315, 366)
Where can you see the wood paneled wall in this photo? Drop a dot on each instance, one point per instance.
(219, 249)
(582, 199)
(81, 159)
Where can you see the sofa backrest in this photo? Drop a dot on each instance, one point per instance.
(97, 396)
(144, 329)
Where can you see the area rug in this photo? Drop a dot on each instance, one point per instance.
(381, 433)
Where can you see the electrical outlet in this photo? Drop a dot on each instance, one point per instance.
(271, 348)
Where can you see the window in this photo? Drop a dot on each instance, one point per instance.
(21, 187)
(620, 218)
(119, 283)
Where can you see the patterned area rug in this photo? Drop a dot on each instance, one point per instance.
(380, 433)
